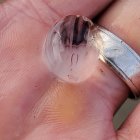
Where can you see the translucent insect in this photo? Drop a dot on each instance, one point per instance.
(69, 49)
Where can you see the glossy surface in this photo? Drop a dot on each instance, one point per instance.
(69, 49)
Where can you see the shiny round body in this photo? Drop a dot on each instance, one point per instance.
(69, 49)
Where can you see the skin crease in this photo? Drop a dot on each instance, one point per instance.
(33, 104)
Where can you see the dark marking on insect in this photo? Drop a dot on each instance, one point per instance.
(77, 59)
(66, 30)
(81, 28)
(74, 31)
(72, 58)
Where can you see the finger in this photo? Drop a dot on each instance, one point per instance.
(23, 76)
(78, 111)
(49, 11)
(123, 19)
(85, 8)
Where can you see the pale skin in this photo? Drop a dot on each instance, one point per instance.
(33, 105)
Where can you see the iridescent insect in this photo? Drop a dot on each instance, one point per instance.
(69, 49)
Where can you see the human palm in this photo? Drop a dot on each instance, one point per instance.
(34, 105)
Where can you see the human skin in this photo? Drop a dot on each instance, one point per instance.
(123, 19)
(33, 104)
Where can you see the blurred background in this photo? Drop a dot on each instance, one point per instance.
(124, 111)
(2, 1)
